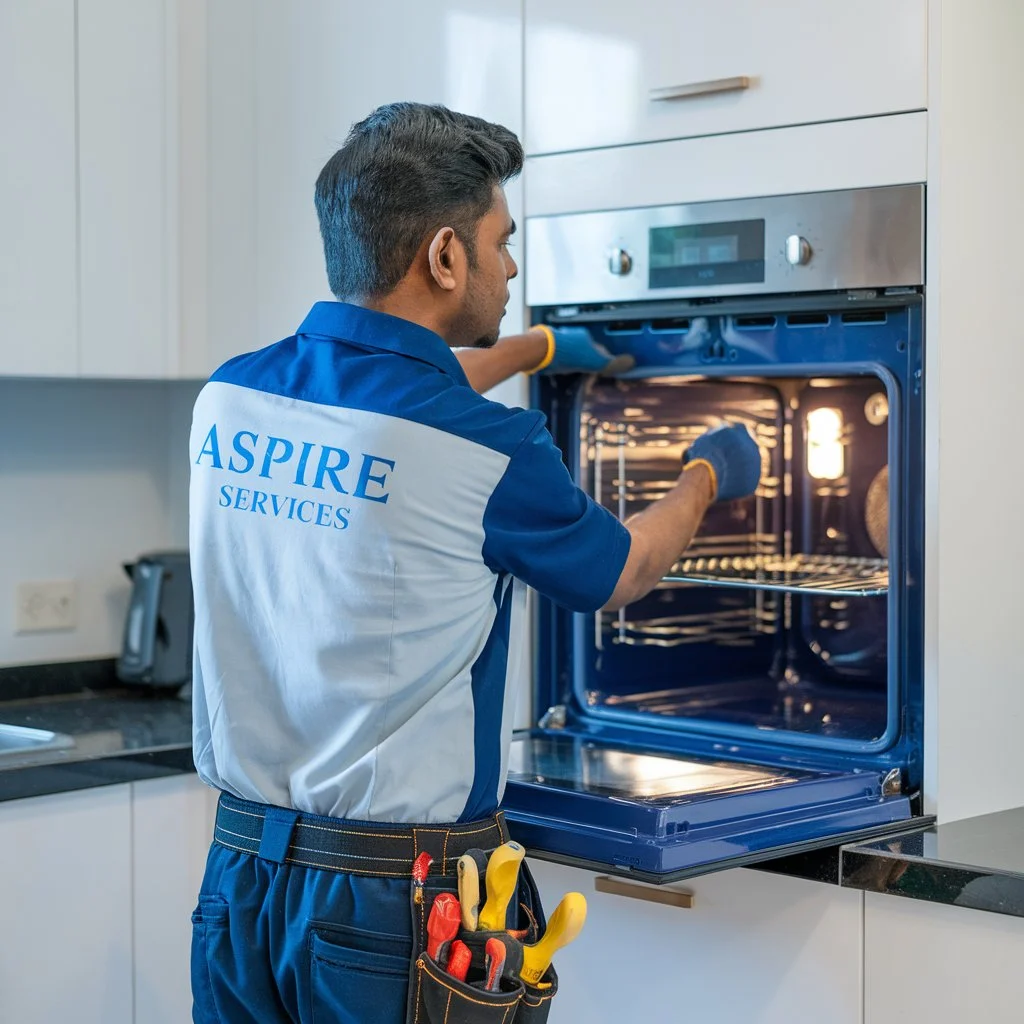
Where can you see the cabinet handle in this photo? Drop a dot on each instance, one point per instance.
(683, 92)
(667, 897)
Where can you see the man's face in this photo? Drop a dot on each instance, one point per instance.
(487, 283)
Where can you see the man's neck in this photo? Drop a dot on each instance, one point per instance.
(406, 305)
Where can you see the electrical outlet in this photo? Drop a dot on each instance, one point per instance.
(47, 606)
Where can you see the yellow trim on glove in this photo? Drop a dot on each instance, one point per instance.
(550, 354)
(710, 469)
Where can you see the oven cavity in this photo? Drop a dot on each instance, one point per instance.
(775, 618)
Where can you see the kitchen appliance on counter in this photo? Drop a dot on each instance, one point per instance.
(157, 647)
(766, 698)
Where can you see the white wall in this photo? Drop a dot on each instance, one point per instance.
(975, 366)
(92, 474)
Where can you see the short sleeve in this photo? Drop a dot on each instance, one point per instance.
(540, 527)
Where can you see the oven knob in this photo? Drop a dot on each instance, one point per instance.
(798, 251)
(620, 262)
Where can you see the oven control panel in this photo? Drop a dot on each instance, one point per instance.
(826, 241)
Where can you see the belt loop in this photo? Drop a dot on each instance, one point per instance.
(278, 826)
(435, 842)
(499, 819)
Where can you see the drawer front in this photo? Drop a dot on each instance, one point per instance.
(602, 74)
(753, 948)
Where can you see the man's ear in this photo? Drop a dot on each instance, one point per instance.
(446, 257)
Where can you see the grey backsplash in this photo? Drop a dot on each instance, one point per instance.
(92, 474)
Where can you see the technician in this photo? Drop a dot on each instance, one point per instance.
(363, 528)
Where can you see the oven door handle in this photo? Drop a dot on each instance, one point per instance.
(692, 89)
(651, 894)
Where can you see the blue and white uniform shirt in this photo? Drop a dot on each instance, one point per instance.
(362, 525)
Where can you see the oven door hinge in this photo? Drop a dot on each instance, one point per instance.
(892, 784)
(554, 717)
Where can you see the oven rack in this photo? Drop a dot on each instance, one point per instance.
(726, 627)
(796, 574)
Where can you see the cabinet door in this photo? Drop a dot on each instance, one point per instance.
(65, 908)
(286, 81)
(127, 188)
(595, 68)
(926, 961)
(172, 826)
(753, 949)
(38, 274)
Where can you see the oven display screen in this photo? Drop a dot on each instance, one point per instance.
(690, 255)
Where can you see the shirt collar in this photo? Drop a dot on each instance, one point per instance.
(372, 329)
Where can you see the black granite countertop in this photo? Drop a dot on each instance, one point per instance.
(128, 734)
(976, 863)
(115, 733)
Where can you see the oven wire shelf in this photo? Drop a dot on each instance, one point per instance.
(798, 574)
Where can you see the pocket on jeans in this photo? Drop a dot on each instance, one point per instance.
(357, 977)
(209, 916)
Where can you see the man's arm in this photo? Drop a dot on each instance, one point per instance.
(518, 353)
(723, 464)
(661, 533)
(540, 350)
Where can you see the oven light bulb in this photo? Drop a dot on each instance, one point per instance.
(825, 444)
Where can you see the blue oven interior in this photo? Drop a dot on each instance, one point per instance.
(767, 695)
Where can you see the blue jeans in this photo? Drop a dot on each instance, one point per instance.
(286, 943)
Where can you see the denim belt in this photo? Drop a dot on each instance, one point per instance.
(354, 847)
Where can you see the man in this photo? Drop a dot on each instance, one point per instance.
(363, 526)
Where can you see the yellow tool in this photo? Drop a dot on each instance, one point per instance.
(500, 879)
(563, 926)
(472, 867)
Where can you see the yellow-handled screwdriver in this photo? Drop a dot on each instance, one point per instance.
(500, 881)
(472, 868)
(563, 926)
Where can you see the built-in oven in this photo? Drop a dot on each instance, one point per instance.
(766, 697)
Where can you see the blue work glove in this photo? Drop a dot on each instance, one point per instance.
(733, 457)
(573, 350)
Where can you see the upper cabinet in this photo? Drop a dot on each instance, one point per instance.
(38, 271)
(602, 74)
(88, 198)
(285, 82)
(127, 188)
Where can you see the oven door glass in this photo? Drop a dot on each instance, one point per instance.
(663, 816)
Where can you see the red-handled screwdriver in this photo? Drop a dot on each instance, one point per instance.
(420, 870)
(459, 960)
(494, 957)
(443, 923)
(420, 867)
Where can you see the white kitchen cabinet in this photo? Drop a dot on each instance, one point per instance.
(66, 908)
(127, 188)
(930, 962)
(38, 270)
(595, 67)
(88, 188)
(754, 948)
(172, 826)
(285, 82)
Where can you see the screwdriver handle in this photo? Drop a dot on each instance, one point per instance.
(500, 881)
(564, 925)
(472, 866)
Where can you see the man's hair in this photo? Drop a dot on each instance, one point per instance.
(403, 173)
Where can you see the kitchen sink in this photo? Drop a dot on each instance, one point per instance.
(19, 740)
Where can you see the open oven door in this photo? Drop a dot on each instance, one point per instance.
(661, 816)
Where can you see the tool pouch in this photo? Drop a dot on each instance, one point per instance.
(442, 999)
(535, 1005)
(435, 997)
